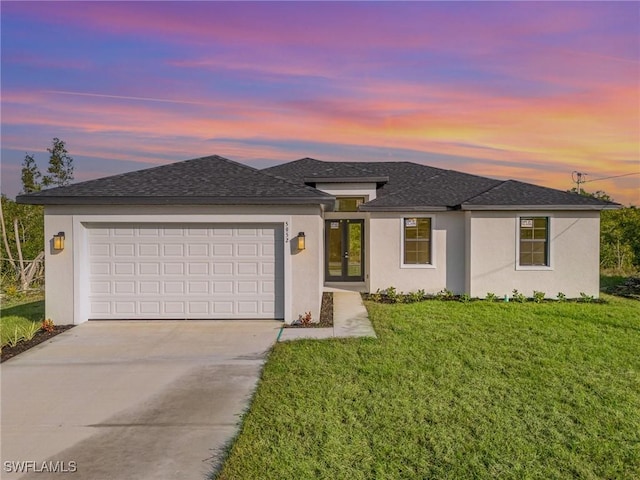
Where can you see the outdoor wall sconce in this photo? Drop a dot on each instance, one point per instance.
(301, 241)
(58, 242)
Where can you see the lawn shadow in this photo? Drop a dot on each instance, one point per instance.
(32, 311)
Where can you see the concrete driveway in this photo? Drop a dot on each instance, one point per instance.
(130, 400)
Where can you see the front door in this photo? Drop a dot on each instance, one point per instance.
(344, 250)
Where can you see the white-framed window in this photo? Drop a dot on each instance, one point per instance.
(533, 242)
(417, 242)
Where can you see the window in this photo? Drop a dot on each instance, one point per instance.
(417, 241)
(534, 241)
(348, 204)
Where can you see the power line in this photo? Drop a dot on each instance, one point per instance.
(607, 178)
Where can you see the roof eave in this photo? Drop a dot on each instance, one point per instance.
(314, 180)
(182, 200)
(405, 208)
(541, 207)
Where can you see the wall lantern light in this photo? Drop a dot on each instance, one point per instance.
(301, 241)
(58, 242)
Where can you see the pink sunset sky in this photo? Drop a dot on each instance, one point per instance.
(529, 90)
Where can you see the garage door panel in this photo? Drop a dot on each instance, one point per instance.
(148, 250)
(187, 271)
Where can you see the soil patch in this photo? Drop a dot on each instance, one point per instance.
(326, 314)
(42, 335)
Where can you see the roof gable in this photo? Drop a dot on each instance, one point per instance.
(206, 180)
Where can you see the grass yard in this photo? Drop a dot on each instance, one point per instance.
(21, 315)
(452, 390)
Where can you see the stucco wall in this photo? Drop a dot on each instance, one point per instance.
(303, 270)
(448, 254)
(574, 255)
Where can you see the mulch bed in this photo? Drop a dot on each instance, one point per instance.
(326, 314)
(42, 335)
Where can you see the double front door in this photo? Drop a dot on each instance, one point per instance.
(344, 250)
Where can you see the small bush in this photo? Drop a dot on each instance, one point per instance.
(491, 297)
(16, 338)
(585, 298)
(414, 297)
(465, 298)
(445, 294)
(48, 325)
(30, 331)
(376, 297)
(391, 294)
(517, 296)
(561, 297)
(538, 297)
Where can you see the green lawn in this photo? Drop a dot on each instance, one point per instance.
(21, 315)
(453, 391)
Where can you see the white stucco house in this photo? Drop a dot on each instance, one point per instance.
(210, 238)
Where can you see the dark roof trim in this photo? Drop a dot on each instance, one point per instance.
(381, 180)
(418, 208)
(128, 200)
(540, 207)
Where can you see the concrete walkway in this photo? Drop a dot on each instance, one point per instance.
(131, 400)
(350, 319)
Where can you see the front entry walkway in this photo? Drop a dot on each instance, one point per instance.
(350, 319)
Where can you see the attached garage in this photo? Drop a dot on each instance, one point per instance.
(184, 271)
(201, 239)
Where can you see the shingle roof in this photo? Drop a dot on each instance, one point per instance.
(513, 194)
(415, 187)
(206, 180)
(402, 186)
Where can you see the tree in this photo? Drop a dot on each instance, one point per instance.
(619, 235)
(31, 176)
(60, 171)
(22, 226)
(22, 255)
(599, 194)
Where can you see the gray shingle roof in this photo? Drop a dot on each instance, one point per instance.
(414, 187)
(513, 194)
(206, 180)
(402, 186)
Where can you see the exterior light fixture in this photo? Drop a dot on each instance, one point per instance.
(58, 242)
(301, 241)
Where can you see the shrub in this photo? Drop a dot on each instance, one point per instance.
(517, 296)
(377, 296)
(30, 331)
(414, 297)
(48, 325)
(490, 297)
(465, 298)
(391, 294)
(561, 297)
(445, 294)
(586, 298)
(538, 297)
(16, 338)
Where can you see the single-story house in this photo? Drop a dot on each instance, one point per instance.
(210, 238)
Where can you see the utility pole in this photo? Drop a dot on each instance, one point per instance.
(578, 178)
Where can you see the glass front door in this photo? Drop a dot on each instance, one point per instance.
(344, 250)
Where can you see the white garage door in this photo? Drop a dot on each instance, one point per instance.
(187, 271)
